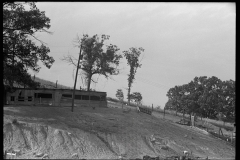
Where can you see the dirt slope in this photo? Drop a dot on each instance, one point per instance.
(103, 133)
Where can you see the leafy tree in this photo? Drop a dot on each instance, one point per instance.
(208, 97)
(137, 97)
(132, 56)
(200, 85)
(96, 60)
(120, 95)
(20, 52)
(190, 97)
(169, 105)
(175, 94)
(227, 100)
(211, 96)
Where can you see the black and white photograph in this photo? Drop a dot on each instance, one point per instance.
(119, 80)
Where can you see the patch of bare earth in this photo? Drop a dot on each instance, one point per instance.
(103, 133)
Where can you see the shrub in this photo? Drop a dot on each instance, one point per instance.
(14, 121)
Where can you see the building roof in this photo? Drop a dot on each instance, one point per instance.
(57, 89)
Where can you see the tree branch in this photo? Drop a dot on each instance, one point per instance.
(69, 59)
(39, 40)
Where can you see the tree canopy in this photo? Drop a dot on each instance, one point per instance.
(119, 94)
(20, 52)
(207, 97)
(136, 97)
(95, 58)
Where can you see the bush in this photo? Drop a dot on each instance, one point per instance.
(14, 121)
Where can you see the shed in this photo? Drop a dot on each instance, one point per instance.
(56, 97)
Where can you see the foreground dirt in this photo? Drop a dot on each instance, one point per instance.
(103, 133)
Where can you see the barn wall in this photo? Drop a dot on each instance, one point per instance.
(53, 97)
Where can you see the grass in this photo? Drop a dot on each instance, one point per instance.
(225, 138)
(212, 126)
(226, 126)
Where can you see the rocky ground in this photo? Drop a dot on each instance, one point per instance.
(103, 133)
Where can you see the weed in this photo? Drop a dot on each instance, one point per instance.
(14, 121)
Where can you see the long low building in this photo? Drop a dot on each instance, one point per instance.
(57, 97)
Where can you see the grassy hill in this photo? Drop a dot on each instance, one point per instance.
(49, 84)
(103, 133)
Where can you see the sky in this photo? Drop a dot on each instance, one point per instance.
(180, 40)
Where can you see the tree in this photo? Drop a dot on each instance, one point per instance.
(227, 100)
(208, 97)
(96, 60)
(136, 97)
(190, 98)
(169, 105)
(132, 56)
(120, 95)
(175, 94)
(20, 52)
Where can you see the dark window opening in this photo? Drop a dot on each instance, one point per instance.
(29, 98)
(95, 98)
(20, 98)
(78, 97)
(43, 95)
(85, 97)
(12, 98)
(66, 95)
(102, 98)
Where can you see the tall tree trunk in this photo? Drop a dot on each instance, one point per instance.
(129, 89)
(164, 112)
(209, 114)
(190, 118)
(89, 82)
(184, 116)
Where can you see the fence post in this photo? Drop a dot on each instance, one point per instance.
(164, 113)
(219, 132)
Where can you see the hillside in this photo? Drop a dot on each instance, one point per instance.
(49, 84)
(103, 133)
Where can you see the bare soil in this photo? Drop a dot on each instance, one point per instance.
(103, 133)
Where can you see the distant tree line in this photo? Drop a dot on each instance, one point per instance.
(206, 97)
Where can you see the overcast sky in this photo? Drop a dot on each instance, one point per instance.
(181, 41)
